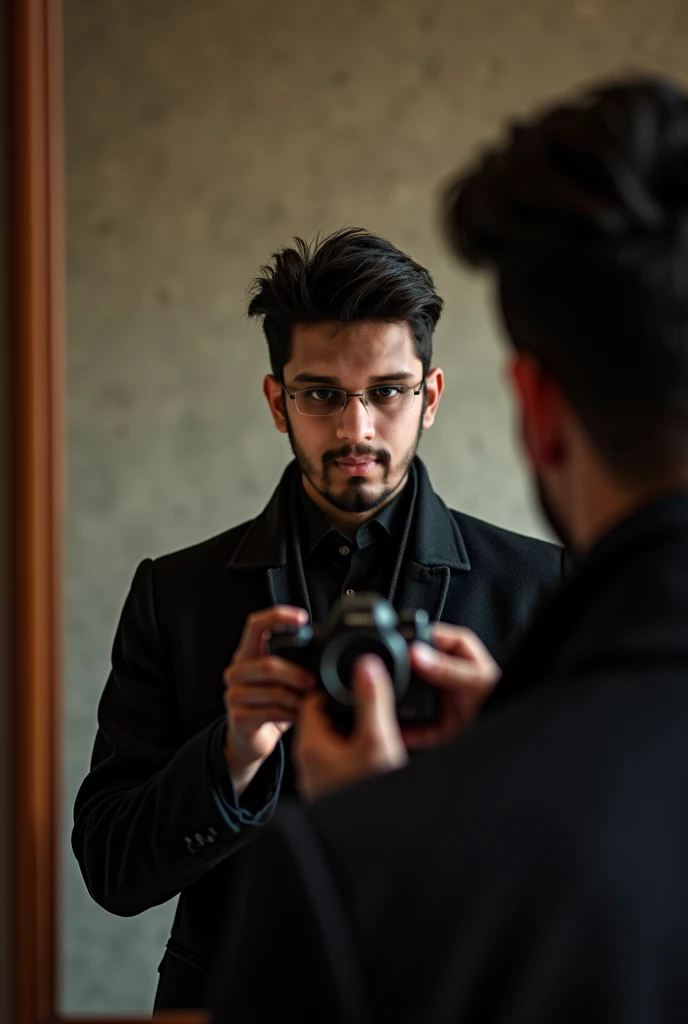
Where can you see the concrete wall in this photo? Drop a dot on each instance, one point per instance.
(200, 136)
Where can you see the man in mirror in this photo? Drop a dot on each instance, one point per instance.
(193, 749)
(534, 868)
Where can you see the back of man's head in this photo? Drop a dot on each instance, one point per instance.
(583, 217)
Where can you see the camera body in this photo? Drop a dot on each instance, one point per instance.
(364, 624)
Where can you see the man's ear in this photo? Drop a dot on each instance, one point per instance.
(272, 389)
(541, 412)
(434, 386)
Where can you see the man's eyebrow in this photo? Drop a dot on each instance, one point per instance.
(316, 378)
(399, 375)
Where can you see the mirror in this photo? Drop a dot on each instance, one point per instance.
(198, 138)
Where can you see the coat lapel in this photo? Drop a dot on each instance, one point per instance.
(435, 549)
(278, 585)
(423, 586)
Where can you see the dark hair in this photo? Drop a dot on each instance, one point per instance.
(583, 217)
(348, 276)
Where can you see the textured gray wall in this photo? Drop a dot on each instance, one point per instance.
(200, 136)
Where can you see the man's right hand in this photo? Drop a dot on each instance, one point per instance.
(465, 673)
(263, 694)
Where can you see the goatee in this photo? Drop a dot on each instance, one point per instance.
(356, 498)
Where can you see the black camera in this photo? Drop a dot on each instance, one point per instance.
(364, 624)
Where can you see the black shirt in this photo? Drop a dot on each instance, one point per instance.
(335, 565)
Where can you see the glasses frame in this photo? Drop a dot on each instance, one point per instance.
(416, 390)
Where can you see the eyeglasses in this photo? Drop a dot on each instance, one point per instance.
(388, 399)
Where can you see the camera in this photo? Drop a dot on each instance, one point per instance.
(358, 625)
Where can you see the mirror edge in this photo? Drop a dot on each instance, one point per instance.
(37, 343)
(36, 350)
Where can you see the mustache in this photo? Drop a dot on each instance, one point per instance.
(357, 451)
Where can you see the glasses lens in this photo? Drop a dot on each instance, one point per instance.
(320, 401)
(387, 399)
(390, 398)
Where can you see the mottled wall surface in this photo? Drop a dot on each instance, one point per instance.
(200, 136)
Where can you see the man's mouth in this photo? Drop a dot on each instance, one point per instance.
(356, 466)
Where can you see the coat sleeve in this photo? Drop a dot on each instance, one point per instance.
(290, 948)
(157, 809)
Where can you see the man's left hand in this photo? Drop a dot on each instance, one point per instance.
(325, 759)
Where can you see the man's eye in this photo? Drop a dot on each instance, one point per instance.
(387, 392)
(322, 394)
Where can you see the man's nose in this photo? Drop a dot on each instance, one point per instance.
(355, 422)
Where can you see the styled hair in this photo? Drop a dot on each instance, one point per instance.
(582, 216)
(347, 277)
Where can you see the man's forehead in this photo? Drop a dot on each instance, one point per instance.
(348, 344)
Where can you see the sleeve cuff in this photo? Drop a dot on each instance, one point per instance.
(258, 802)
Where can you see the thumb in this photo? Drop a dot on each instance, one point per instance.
(374, 698)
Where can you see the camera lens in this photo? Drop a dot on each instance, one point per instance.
(356, 649)
(340, 655)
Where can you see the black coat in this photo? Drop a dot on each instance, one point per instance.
(533, 871)
(157, 816)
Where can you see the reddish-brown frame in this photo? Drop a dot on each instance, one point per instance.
(37, 268)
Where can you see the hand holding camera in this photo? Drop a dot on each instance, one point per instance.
(366, 624)
(464, 672)
(263, 693)
(379, 684)
(385, 684)
(325, 759)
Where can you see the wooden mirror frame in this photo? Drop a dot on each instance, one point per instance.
(37, 348)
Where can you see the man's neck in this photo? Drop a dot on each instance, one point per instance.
(348, 523)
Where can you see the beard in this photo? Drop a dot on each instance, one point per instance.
(358, 494)
(554, 519)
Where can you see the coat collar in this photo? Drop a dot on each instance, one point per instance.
(435, 538)
(265, 543)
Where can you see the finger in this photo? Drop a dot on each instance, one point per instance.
(461, 642)
(269, 670)
(251, 719)
(259, 623)
(450, 671)
(374, 697)
(316, 743)
(422, 737)
(314, 720)
(263, 696)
